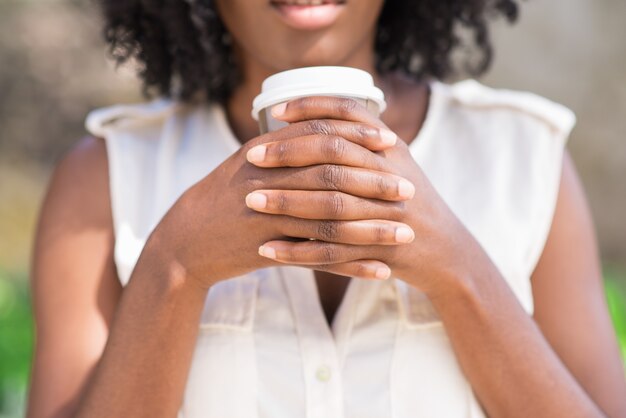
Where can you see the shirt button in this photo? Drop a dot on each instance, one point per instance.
(323, 373)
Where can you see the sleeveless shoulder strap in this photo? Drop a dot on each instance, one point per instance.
(135, 136)
(495, 156)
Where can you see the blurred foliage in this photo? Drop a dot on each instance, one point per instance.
(21, 193)
(615, 285)
(16, 341)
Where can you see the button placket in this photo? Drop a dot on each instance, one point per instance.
(323, 373)
(324, 396)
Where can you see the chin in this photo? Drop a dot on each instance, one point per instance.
(316, 55)
(313, 61)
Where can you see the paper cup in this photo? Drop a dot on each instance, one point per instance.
(315, 81)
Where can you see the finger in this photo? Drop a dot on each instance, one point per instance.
(322, 205)
(325, 107)
(368, 136)
(330, 205)
(315, 149)
(349, 180)
(363, 269)
(370, 232)
(315, 253)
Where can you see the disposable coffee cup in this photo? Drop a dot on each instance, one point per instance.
(315, 81)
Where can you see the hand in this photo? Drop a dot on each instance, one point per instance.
(212, 235)
(442, 241)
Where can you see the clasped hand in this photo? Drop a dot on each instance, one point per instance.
(335, 191)
(375, 213)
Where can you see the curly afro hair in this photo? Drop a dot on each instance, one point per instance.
(184, 50)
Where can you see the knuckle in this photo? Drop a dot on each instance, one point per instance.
(328, 254)
(381, 185)
(282, 202)
(283, 152)
(347, 107)
(328, 230)
(334, 149)
(361, 270)
(320, 127)
(381, 234)
(363, 131)
(332, 176)
(336, 205)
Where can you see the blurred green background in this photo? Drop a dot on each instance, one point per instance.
(53, 70)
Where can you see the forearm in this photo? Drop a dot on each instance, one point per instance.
(512, 369)
(146, 360)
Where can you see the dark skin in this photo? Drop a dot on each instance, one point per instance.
(319, 49)
(400, 93)
(564, 360)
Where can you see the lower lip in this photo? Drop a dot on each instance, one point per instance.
(309, 17)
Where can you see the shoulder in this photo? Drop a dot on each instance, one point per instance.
(471, 100)
(572, 229)
(86, 152)
(75, 238)
(79, 186)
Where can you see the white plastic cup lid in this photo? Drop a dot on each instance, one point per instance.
(317, 81)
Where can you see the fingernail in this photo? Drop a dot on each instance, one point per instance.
(387, 137)
(279, 109)
(383, 273)
(406, 189)
(404, 235)
(267, 252)
(256, 154)
(256, 200)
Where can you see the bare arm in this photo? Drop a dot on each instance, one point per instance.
(570, 305)
(74, 283)
(76, 295)
(565, 365)
(144, 367)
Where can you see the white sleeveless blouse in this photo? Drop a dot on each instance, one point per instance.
(264, 347)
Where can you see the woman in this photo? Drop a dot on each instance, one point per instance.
(462, 194)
